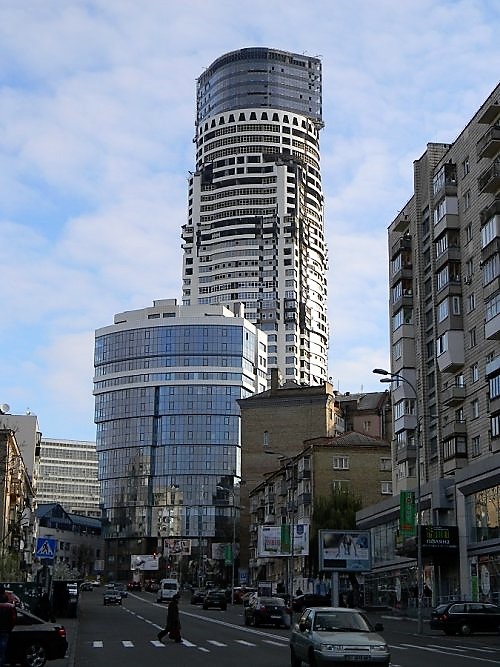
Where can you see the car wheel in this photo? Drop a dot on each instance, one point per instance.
(35, 655)
(294, 661)
(465, 629)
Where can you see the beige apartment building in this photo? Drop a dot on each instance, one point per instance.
(445, 359)
(354, 462)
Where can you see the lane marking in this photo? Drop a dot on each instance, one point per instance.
(242, 641)
(157, 643)
(273, 643)
(98, 644)
(128, 644)
(446, 652)
(215, 643)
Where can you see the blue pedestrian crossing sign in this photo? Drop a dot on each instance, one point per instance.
(45, 548)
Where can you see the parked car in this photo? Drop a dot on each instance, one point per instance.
(335, 635)
(112, 596)
(267, 611)
(465, 617)
(33, 641)
(300, 602)
(215, 598)
(86, 586)
(197, 596)
(122, 589)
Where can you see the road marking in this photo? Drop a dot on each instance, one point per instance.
(446, 652)
(215, 643)
(270, 641)
(97, 644)
(189, 644)
(205, 650)
(242, 641)
(157, 642)
(128, 644)
(472, 648)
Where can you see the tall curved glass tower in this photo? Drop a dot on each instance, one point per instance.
(255, 229)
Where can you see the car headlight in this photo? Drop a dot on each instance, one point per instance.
(331, 647)
(380, 648)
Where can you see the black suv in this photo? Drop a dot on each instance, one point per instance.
(465, 618)
(215, 598)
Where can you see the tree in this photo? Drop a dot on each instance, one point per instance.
(335, 512)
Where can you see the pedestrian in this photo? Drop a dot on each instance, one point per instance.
(44, 608)
(8, 618)
(173, 624)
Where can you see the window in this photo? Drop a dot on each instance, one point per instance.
(385, 464)
(442, 310)
(466, 166)
(494, 387)
(476, 446)
(488, 232)
(491, 269)
(475, 408)
(466, 200)
(366, 425)
(468, 233)
(474, 372)
(471, 302)
(386, 488)
(472, 337)
(341, 463)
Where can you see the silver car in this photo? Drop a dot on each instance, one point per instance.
(330, 635)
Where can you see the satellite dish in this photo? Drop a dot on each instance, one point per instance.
(4, 408)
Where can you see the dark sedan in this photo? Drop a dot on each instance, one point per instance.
(33, 641)
(465, 618)
(267, 611)
(215, 598)
(198, 596)
(310, 600)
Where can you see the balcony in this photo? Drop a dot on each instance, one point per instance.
(489, 144)
(448, 221)
(456, 427)
(453, 394)
(402, 244)
(489, 211)
(406, 452)
(489, 181)
(492, 328)
(491, 112)
(453, 358)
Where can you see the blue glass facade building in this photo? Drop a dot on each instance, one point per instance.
(167, 381)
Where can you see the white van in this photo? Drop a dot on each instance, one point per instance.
(168, 588)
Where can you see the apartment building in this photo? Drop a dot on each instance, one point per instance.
(445, 357)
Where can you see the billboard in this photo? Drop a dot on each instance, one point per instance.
(175, 547)
(407, 514)
(276, 541)
(144, 562)
(344, 551)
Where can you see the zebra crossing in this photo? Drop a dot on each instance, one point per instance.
(211, 644)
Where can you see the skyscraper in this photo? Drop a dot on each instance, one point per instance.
(167, 381)
(255, 223)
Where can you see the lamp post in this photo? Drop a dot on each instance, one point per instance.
(233, 545)
(420, 574)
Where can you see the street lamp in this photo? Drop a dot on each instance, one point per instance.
(233, 545)
(420, 578)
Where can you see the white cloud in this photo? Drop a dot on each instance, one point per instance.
(97, 110)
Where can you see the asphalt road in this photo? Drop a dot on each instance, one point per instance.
(126, 636)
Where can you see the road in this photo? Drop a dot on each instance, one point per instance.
(126, 636)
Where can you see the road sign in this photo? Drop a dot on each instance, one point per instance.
(45, 548)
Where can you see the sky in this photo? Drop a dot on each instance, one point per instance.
(97, 108)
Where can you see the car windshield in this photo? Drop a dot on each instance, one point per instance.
(340, 621)
(277, 602)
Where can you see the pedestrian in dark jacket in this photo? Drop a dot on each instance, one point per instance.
(173, 624)
(8, 617)
(44, 608)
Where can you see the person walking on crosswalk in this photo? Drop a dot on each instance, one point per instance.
(173, 624)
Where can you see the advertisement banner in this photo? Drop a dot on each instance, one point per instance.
(174, 547)
(144, 562)
(407, 513)
(344, 551)
(276, 541)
